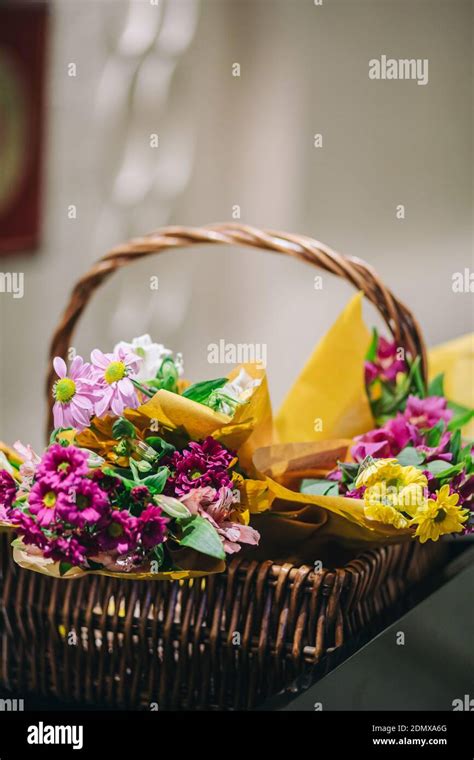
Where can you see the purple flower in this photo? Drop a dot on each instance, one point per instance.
(386, 441)
(61, 464)
(113, 374)
(66, 549)
(441, 451)
(152, 526)
(43, 501)
(73, 394)
(120, 534)
(29, 530)
(199, 465)
(7, 490)
(427, 412)
(139, 493)
(84, 504)
(386, 365)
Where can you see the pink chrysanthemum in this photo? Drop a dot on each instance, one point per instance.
(43, 502)
(152, 526)
(84, 504)
(66, 549)
(61, 464)
(73, 393)
(120, 534)
(8, 489)
(113, 374)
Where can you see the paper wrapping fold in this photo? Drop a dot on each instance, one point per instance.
(251, 425)
(300, 527)
(48, 567)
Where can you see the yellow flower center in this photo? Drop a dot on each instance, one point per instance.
(115, 372)
(49, 499)
(115, 529)
(64, 390)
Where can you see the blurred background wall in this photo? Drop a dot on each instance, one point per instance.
(166, 69)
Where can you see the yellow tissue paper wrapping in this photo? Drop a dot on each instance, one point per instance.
(456, 360)
(328, 400)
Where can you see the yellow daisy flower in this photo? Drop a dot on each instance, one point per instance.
(439, 516)
(392, 492)
(385, 514)
(378, 469)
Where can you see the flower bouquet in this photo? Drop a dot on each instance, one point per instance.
(142, 475)
(410, 474)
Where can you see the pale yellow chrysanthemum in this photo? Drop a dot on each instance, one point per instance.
(387, 515)
(378, 469)
(390, 485)
(439, 516)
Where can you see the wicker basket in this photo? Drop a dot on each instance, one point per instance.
(224, 641)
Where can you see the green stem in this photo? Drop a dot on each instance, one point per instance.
(145, 391)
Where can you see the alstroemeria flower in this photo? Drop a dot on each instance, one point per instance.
(427, 412)
(387, 365)
(218, 506)
(113, 374)
(390, 439)
(73, 394)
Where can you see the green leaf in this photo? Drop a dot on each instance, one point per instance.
(415, 377)
(119, 473)
(162, 447)
(433, 436)
(198, 534)
(372, 351)
(201, 391)
(436, 386)
(410, 456)
(442, 469)
(135, 471)
(155, 483)
(172, 507)
(122, 428)
(459, 421)
(158, 555)
(349, 470)
(455, 446)
(320, 487)
(64, 567)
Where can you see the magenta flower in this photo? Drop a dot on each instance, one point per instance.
(66, 549)
(120, 534)
(73, 394)
(43, 501)
(113, 374)
(441, 451)
(427, 412)
(29, 530)
(152, 526)
(386, 441)
(84, 504)
(60, 465)
(199, 465)
(386, 365)
(8, 489)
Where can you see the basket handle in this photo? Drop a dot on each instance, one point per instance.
(398, 318)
